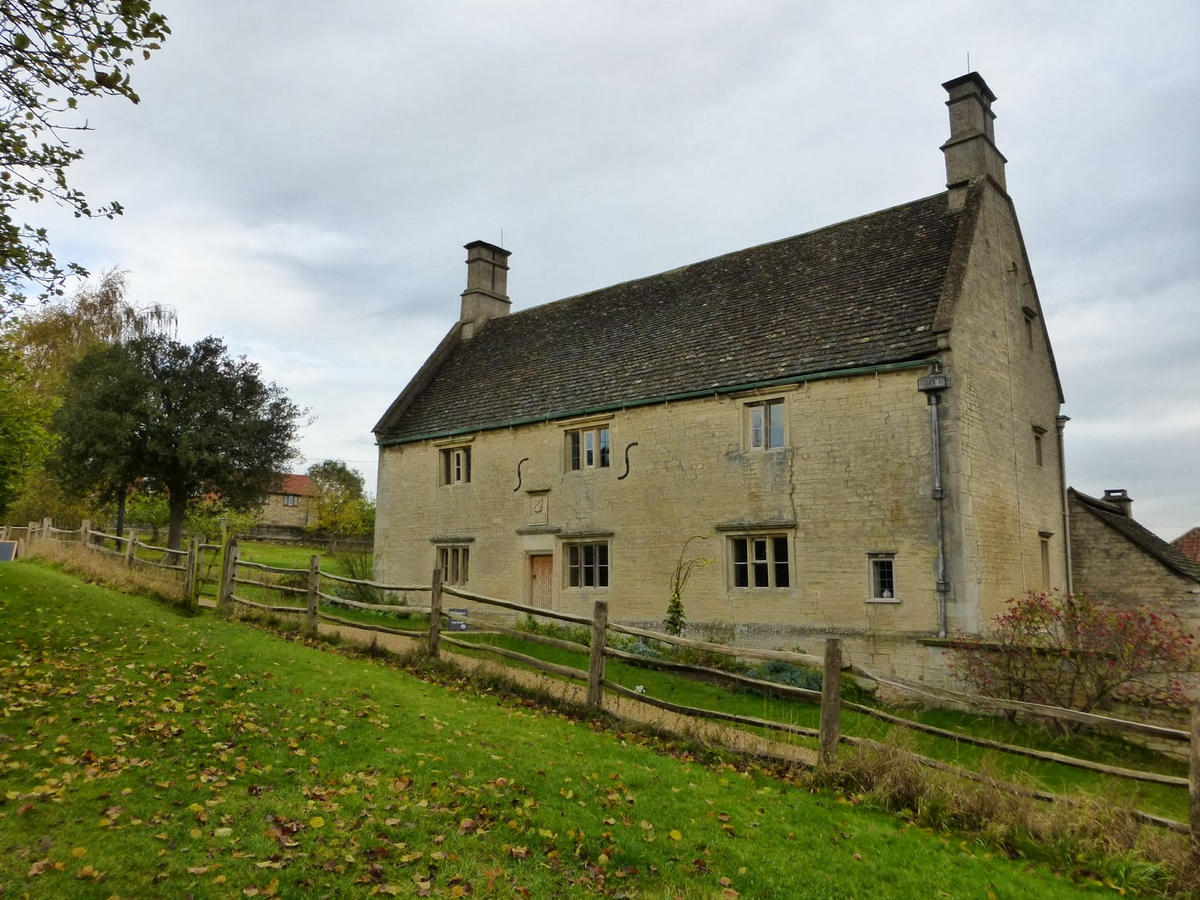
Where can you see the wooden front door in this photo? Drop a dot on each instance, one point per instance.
(541, 584)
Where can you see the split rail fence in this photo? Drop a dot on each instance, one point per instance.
(307, 584)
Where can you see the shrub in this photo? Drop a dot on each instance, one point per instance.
(1069, 651)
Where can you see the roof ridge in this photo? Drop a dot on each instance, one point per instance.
(700, 262)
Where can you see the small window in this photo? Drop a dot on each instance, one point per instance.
(764, 424)
(456, 465)
(588, 448)
(1029, 331)
(760, 561)
(883, 576)
(1038, 458)
(291, 500)
(587, 564)
(455, 563)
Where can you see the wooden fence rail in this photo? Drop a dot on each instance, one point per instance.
(829, 735)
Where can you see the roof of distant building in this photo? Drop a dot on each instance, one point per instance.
(1139, 535)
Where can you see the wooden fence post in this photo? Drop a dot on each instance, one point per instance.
(314, 585)
(131, 547)
(831, 704)
(31, 533)
(1194, 779)
(595, 694)
(190, 595)
(85, 529)
(228, 572)
(435, 614)
(47, 528)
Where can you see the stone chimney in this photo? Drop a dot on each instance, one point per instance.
(486, 296)
(1119, 498)
(971, 149)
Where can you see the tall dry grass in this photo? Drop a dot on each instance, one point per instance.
(1093, 839)
(110, 571)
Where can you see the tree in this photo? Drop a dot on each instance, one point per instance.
(103, 426)
(1070, 651)
(52, 54)
(343, 508)
(51, 340)
(23, 422)
(202, 424)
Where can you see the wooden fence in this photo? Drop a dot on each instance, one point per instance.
(306, 587)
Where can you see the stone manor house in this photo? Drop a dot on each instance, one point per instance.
(862, 424)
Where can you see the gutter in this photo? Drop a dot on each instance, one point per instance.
(932, 386)
(669, 398)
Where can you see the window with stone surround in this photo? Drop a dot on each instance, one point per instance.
(291, 500)
(588, 448)
(1038, 457)
(456, 465)
(765, 425)
(455, 563)
(586, 564)
(759, 561)
(881, 574)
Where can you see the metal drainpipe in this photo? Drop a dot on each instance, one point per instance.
(932, 385)
(1061, 424)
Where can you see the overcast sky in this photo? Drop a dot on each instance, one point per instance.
(300, 178)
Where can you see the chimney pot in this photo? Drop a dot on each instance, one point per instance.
(1119, 498)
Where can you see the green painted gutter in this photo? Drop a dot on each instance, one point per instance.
(669, 398)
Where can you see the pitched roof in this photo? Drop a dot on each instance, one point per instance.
(1188, 543)
(301, 485)
(1139, 536)
(860, 293)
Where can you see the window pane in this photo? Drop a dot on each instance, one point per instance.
(762, 571)
(756, 427)
(741, 571)
(446, 477)
(884, 587)
(467, 464)
(465, 569)
(589, 565)
(589, 448)
(775, 424)
(604, 447)
(574, 442)
(444, 562)
(454, 566)
(573, 565)
(780, 550)
(602, 565)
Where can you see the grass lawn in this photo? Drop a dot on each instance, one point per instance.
(144, 753)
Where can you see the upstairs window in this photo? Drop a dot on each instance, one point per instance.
(764, 425)
(291, 500)
(456, 465)
(587, 564)
(760, 561)
(588, 448)
(1038, 457)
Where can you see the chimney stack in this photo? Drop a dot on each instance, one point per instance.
(971, 149)
(486, 296)
(1119, 498)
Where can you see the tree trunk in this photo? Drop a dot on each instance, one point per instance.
(121, 514)
(178, 507)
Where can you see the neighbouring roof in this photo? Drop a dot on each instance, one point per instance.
(860, 293)
(297, 484)
(1188, 544)
(1139, 535)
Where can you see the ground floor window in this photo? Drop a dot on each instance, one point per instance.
(882, 575)
(760, 561)
(455, 563)
(587, 564)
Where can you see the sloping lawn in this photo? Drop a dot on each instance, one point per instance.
(146, 754)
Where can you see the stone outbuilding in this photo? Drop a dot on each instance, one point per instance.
(1118, 560)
